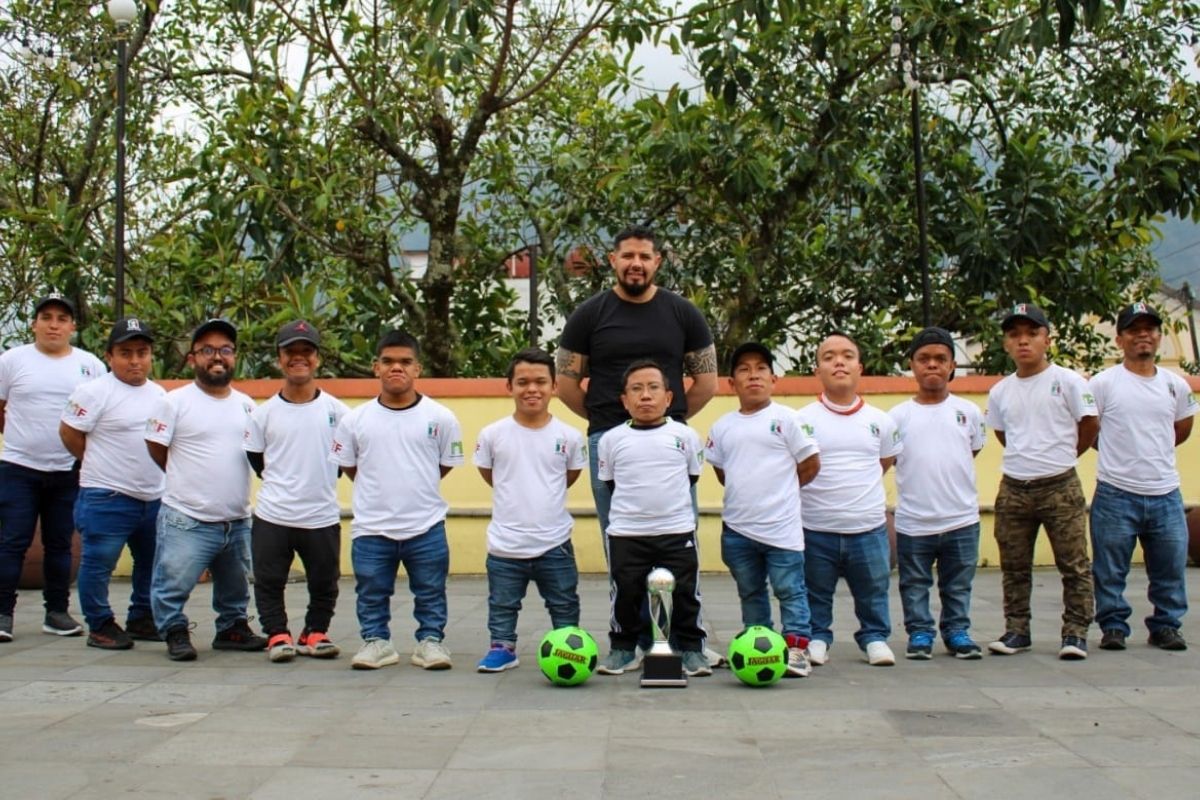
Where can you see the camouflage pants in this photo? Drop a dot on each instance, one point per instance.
(1056, 503)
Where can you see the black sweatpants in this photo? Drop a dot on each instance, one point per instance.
(273, 547)
(630, 560)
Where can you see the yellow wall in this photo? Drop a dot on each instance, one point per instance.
(470, 497)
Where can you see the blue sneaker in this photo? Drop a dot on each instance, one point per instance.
(920, 646)
(498, 659)
(962, 646)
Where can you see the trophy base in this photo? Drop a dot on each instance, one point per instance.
(663, 672)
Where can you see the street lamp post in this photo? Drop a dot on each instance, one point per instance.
(123, 13)
(908, 74)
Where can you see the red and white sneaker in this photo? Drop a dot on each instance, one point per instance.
(317, 645)
(280, 648)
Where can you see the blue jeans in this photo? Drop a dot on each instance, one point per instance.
(863, 559)
(27, 496)
(557, 579)
(107, 522)
(187, 547)
(752, 565)
(1119, 520)
(956, 554)
(426, 559)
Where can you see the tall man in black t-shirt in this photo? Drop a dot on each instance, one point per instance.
(632, 321)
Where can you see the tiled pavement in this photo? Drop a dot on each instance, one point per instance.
(77, 722)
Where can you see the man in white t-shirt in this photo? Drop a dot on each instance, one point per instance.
(529, 459)
(397, 448)
(39, 479)
(762, 457)
(937, 513)
(1045, 416)
(650, 465)
(845, 522)
(120, 487)
(288, 439)
(196, 437)
(1145, 413)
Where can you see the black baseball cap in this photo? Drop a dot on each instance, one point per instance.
(933, 335)
(1028, 312)
(297, 331)
(216, 324)
(129, 328)
(750, 347)
(1135, 311)
(51, 299)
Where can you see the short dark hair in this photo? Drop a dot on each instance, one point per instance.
(398, 338)
(640, 232)
(530, 355)
(642, 363)
(843, 335)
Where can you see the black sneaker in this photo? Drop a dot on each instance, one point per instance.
(60, 623)
(238, 636)
(109, 636)
(142, 629)
(1011, 643)
(1074, 648)
(179, 645)
(1168, 639)
(1112, 639)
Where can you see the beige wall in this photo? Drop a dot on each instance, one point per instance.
(480, 402)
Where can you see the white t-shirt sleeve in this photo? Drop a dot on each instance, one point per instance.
(343, 451)
(1080, 399)
(978, 428)
(801, 445)
(1185, 401)
(995, 409)
(695, 453)
(890, 443)
(255, 440)
(450, 441)
(605, 471)
(160, 428)
(482, 457)
(84, 407)
(577, 455)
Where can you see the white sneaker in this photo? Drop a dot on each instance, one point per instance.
(714, 659)
(375, 653)
(818, 652)
(431, 654)
(797, 663)
(880, 655)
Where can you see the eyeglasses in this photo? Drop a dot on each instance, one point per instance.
(227, 351)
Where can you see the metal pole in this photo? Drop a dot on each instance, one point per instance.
(1188, 299)
(119, 222)
(922, 223)
(533, 295)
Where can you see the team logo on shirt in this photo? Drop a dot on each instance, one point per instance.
(679, 445)
(1056, 389)
(874, 429)
(560, 445)
(960, 418)
(1089, 398)
(433, 430)
(337, 446)
(155, 425)
(1191, 400)
(809, 430)
(76, 410)
(456, 448)
(85, 370)
(248, 408)
(332, 420)
(776, 427)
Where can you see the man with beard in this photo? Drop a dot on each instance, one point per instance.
(196, 437)
(1145, 413)
(633, 321)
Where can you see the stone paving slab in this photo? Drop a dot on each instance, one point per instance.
(78, 723)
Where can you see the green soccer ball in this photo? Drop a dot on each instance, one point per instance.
(758, 656)
(567, 656)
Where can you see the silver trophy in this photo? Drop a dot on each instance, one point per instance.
(662, 665)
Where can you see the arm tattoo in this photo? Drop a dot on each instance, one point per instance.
(569, 364)
(699, 362)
